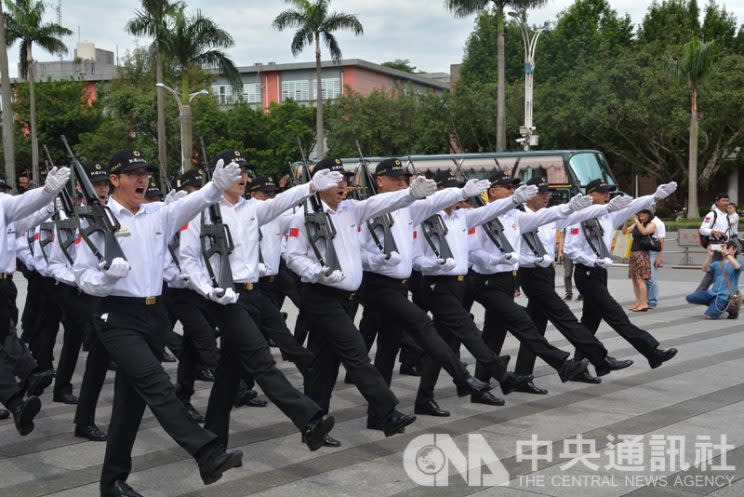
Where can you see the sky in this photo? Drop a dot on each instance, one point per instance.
(423, 31)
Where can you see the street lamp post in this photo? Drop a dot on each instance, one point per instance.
(185, 118)
(529, 39)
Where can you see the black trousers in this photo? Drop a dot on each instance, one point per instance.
(47, 323)
(271, 323)
(284, 284)
(545, 305)
(495, 292)
(334, 339)
(31, 317)
(370, 326)
(76, 310)
(444, 296)
(133, 334)
(198, 348)
(387, 298)
(244, 351)
(96, 368)
(16, 360)
(599, 304)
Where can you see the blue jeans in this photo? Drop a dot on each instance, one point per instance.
(652, 284)
(716, 303)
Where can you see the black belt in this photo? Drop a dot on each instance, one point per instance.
(387, 279)
(269, 280)
(332, 292)
(144, 301)
(459, 278)
(6, 276)
(244, 287)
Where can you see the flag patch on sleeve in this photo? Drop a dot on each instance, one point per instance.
(294, 232)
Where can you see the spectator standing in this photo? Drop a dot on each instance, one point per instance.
(657, 261)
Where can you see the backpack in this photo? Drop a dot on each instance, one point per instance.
(705, 239)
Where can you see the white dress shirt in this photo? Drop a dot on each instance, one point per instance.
(349, 220)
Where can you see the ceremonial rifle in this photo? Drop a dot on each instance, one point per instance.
(65, 227)
(434, 230)
(98, 217)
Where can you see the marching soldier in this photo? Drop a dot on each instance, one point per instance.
(239, 312)
(385, 284)
(15, 360)
(537, 280)
(131, 319)
(330, 292)
(588, 245)
(444, 290)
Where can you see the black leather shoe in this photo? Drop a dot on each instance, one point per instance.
(374, 424)
(660, 356)
(205, 374)
(168, 357)
(193, 414)
(24, 413)
(329, 441)
(120, 489)
(431, 408)
(487, 398)
(612, 364)
(220, 461)
(256, 403)
(395, 422)
(4, 414)
(313, 435)
(473, 386)
(586, 377)
(91, 432)
(409, 370)
(572, 368)
(532, 388)
(65, 398)
(38, 381)
(244, 396)
(512, 381)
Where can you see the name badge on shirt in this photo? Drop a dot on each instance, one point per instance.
(123, 232)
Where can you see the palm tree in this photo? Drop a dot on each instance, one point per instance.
(313, 21)
(24, 24)
(152, 21)
(694, 66)
(194, 40)
(8, 138)
(464, 8)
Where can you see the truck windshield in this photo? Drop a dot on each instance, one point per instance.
(587, 166)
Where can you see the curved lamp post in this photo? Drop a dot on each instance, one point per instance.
(186, 120)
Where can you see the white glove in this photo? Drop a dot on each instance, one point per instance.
(619, 203)
(605, 262)
(173, 196)
(326, 179)
(448, 264)
(545, 261)
(222, 296)
(510, 258)
(332, 278)
(663, 191)
(262, 270)
(56, 179)
(422, 187)
(523, 194)
(579, 202)
(119, 268)
(225, 176)
(378, 259)
(474, 187)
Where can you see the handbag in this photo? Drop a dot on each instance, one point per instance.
(648, 242)
(734, 303)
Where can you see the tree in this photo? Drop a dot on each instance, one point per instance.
(670, 22)
(313, 21)
(401, 65)
(8, 138)
(24, 24)
(693, 66)
(194, 41)
(152, 21)
(464, 8)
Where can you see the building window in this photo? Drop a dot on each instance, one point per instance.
(296, 90)
(252, 93)
(331, 88)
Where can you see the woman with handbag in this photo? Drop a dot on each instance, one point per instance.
(723, 295)
(639, 269)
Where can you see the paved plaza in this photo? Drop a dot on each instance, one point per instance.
(698, 394)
